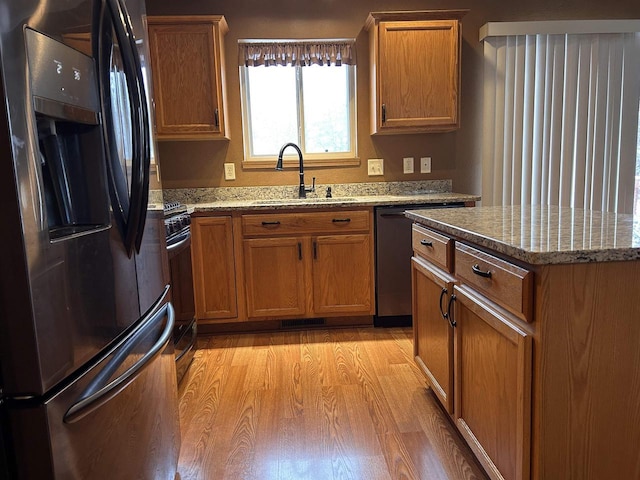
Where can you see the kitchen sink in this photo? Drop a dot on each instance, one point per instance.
(289, 201)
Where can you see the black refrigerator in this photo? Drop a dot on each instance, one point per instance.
(87, 371)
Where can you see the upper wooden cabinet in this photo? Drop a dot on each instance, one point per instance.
(187, 60)
(415, 71)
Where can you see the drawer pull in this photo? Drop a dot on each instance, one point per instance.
(271, 223)
(476, 269)
(299, 251)
(341, 220)
(426, 243)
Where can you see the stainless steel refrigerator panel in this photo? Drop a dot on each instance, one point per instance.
(104, 425)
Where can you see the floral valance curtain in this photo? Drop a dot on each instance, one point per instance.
(254, 53)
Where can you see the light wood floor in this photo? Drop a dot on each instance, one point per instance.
(317, 404)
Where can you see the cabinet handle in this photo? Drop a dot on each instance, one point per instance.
(426, 243)
(341, 220)
(384, 113)
(216, 116)
(299, 251)
(271, 223)
(449, 313)
(315, 250)
(442, 312)
(476, 269)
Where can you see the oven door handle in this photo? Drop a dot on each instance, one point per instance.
(179, 242)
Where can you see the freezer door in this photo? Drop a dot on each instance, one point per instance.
(120, 420)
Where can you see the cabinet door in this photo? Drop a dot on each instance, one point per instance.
(432, 332)
(419, 76)
(493, 385)
(187, 63)
(343, 274)
(274, 276)
(214, 277)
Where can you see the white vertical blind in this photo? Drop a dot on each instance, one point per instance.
(561, 120)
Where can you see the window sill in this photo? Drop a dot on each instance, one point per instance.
(270, 163)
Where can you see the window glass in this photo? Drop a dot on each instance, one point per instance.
(311, 106)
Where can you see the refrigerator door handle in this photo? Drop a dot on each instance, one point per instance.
(135, 201)
(139, 99)
(96, 395)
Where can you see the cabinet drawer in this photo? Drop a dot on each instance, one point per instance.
(432, 246)
(505, 283)
(271, 224)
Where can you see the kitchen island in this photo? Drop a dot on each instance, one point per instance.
(527, 328)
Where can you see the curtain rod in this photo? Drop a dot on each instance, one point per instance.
(552, 27)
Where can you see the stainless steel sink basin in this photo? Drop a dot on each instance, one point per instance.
(289, 201)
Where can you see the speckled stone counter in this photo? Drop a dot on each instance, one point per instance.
(541, 235)
(207, 200)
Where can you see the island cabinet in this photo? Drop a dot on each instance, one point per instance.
(540, 357)
(432, 287)
(415, 70)
(187, 62)
(308, 264)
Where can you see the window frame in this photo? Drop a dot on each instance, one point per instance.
(290, 158)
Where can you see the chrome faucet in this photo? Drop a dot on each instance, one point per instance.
(302, 192)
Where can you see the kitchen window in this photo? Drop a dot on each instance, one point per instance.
(301, 92)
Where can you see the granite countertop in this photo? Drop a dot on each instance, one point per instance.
(346, 195)
(539, 234)
(337, 201)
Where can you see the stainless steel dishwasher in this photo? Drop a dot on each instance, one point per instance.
(393, 263)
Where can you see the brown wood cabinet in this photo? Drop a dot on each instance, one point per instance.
(342, 272)
(275, 276)
(545, 381)
(309, 264)
(492, 385)
(415, 71)
(472, 351)
(432, 332)
(214, 273)
(187, 62)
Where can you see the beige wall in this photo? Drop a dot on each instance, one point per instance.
(454, 155)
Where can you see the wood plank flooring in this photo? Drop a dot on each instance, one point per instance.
(315, 405)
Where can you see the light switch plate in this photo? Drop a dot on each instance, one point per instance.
(407, 164)
(425, 164)
(375, 166)
(229, 171)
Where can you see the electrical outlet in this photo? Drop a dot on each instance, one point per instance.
(407, 163)
(229, 171)
(375, 166)
(425, 164)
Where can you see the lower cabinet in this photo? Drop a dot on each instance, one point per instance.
(492, 385)
(476, 354)
(275, 276)
(308, 276)
(432, 332)
(255, 266)
(214, 274)
(342, 270)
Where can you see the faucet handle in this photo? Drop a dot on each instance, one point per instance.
(313, 185)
